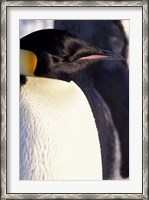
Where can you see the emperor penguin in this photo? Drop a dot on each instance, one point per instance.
(58, 134)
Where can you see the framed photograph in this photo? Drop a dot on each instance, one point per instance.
(85, 135)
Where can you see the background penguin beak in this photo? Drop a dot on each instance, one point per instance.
(103, 55)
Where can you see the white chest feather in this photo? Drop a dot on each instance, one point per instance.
(58, 135)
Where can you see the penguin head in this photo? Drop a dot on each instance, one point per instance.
(58, 54)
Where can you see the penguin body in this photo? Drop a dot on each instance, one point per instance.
(58, 135)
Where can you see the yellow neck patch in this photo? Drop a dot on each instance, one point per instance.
(28, 62)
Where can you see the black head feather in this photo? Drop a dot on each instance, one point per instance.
(59, 53)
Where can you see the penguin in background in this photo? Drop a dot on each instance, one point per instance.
(109, 79)
(66, 146)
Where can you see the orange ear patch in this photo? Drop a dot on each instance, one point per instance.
(28, 62)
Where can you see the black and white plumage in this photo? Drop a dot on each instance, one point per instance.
(58, 135)
(107, 132)
(57, 55)
(109, 79)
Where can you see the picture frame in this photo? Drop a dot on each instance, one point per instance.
(5, 137)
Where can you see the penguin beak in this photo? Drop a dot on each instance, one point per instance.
(103, 55)
(28, 62)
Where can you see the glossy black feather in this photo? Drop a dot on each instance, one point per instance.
(58, 53)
